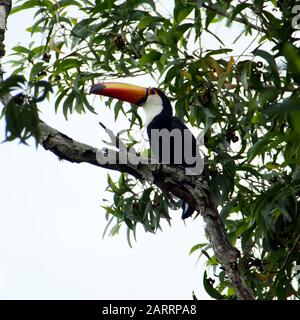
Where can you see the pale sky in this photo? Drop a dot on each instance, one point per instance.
(51, 222)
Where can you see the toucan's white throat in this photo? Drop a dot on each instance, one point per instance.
(152, 107)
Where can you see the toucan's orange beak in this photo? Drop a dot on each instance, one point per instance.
(122, 91)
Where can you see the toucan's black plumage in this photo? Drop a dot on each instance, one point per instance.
(159, 116)
(166, 120)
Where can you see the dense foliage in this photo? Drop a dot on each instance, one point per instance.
(247, 105)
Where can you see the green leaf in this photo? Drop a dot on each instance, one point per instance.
(238, 9)
(117, 108)
(66, 3)
(197, 247)
(150, 57)
(31, 4)
(292, 57)
(220, 187)
(35, 70)
(267, 142)
(115, 230)
(21, 49)
(181, 13)
(219, 51)
(148, 20)
(68, 104)
(210, 15)
(66, 64)
(244, 76)
(210, 289)
(60, 98)
(288, 106)
(11, 83)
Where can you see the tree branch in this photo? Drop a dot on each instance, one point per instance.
(71, 150)
(190, 189)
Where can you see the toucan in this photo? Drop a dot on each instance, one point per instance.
(183, 149)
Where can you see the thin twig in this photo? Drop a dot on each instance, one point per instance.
(225, 14)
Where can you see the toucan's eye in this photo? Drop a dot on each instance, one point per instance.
(152, 91)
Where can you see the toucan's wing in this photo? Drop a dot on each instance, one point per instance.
(177, 123)
(168, 122)
(186, 139)
(187, 136)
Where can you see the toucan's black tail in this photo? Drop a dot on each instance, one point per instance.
(187, 211)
